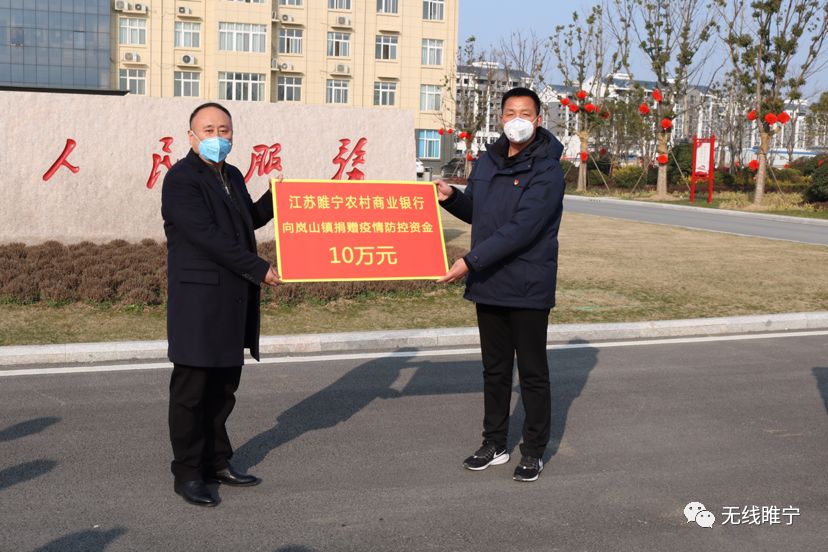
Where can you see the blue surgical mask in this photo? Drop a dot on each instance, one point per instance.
(214, 149)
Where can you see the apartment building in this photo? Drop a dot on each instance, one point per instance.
(479, 87)
(394, 54)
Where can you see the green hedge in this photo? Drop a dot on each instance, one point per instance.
(808, 165)
(817, 192)
(628, 176)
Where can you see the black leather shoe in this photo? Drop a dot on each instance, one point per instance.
(195, 492)
(229, 476)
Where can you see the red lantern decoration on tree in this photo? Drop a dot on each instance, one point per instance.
(770, 118)
(783, 117)
(605, 115)
(441, 131)
(754, 165)
(602, 151)
(573, 108)
(657, 95)
(451, 130)
(751, 116)
(590, 108)
(666, 123)
(584, 156)
(662, 159)
(469, 157)
(564, 102)
(644, 109)
(581, 94)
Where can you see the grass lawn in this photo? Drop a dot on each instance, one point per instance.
(610, 271)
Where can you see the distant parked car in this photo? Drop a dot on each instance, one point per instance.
(420, 167)
(456, 167)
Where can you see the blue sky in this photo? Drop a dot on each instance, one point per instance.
(490, 20)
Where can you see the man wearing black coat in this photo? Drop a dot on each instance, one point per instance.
(214, 277)
(513, 200)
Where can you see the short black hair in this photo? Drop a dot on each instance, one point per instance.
(206, 105)
(521, 92)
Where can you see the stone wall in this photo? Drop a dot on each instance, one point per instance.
(116, 137)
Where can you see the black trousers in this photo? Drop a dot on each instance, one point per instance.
(201, 400)
(505, 332)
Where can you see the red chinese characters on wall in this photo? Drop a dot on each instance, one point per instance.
(264, 160)
(157, 161)
(62, 161)
(356, 157)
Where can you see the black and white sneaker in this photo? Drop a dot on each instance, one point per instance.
(487, 455)
(529, 469)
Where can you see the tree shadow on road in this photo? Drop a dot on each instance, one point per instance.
(821, 375)
(88, 541)
(352, 392)
(569, 371)
(29, 427)
(25, 472)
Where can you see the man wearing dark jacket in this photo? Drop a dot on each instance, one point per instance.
(214, 275)
(513, 200)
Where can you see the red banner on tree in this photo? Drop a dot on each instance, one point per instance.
(344, 230)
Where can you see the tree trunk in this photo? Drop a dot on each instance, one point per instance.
(583, 136)
(761, 174)
(661, 183)
(734, 157)
(468, 165)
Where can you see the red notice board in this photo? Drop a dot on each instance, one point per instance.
(345, 230)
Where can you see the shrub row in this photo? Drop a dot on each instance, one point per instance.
(125, 273)
(817, 192)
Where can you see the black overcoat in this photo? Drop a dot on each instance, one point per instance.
(214, 274)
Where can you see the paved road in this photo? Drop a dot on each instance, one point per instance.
(745, 224)
(363, 453)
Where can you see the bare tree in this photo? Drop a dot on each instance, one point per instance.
(582, 54)
(764, 41)
(789, 132)
(466, 98)
(627, 132)
(816, 122)
(669, 34)
(526, 52)
(729, 123)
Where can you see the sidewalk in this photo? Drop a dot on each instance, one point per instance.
(706, 210)
(309, 344)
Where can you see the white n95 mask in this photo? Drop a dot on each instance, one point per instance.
(519, 130)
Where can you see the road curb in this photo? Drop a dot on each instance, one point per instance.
(394, 340)
(714, 212)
